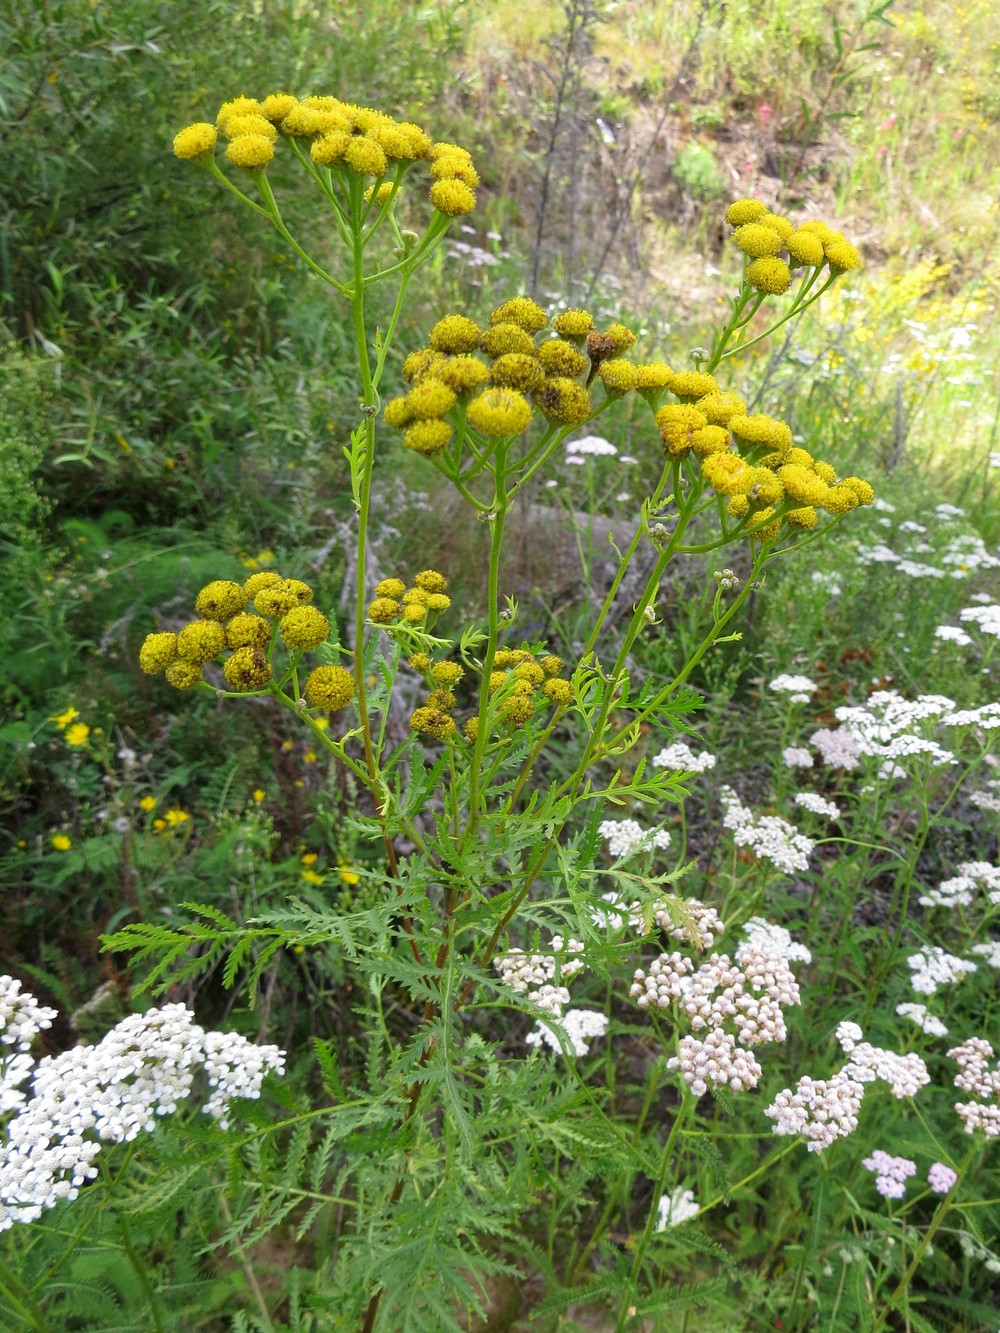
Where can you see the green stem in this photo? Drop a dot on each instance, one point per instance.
(142, 1276)
(264, 185)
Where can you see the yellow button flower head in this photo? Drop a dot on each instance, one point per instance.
(825, 471)
(365, 156)
(532, 672)
(76, 734)
(515, 370)
(738, 506)
(755, 240)
(762, 530)
(239, 106)
(397, 413)
(443, 149)
(420, 143)
(384, 609)
(183, 675)
(276, 106)
(267, 578)
(497, 680)
(574, 324)
(455, 334)
(413, 611)
(563, 402)
(777, 223)
(380, 193)
(238, 125)
(330, 147)
(429, 399)
(455, 168)
(802, 457)
(839, 500)
(194, 141)
(619, 375)
(304, 627)
(719, 407)
(201, 641)
(442, 700)
(727, 474)
(156, 653)
(501, 339)
(558, 690)
(397, 145)
(861, 489)
(453, 198)
(471, 729)
(432, 722)
(247, 631)
(277, 599)
(250, 151)
(499, 412)
(677, 423)
(505, 657)
(303, 122)
(329, 687)
(842, 256)
(761, 429)
(805, 247)
(819, 229)
(462, 374)
(710, 440)
(417, 594)
(61, 842)
(803, 518)
(248, 669)
(420, 662)
(803, 485)
(765, 488)
(518, 709)
(427, 437)
(561, 359)
(220, 600)
(693, 384)
(431, 581)
(770, 275)
(523, 312)
(745, 210)
(551, 664)
(446, 674)
(390, 588)
(653, 377)
(620, 336)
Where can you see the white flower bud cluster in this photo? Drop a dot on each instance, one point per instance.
(581, 1027)
(889, 727)
(115, 1090)
(775, 940)
(534, 974)
(989, 951)
(891, 1173)
(767, 836)
(668, 978)
(988, 797)
(933, 967)
(673, 1209)
(715, 1062)
(798, 688)
(21, 1016)
(975, 1076)
(680, 758)
(924, 1019)
(836, 747)
(794, 756)
(818, 805)
(823, 1110)
(625, 836)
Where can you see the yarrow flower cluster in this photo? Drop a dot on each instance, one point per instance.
(685, 919)
(110, 1093)
(680, 758)
(794, 756)
(824, 1110)
(941, 1178)
(961, 889)
(769, 837)
(625, 837)
(924, 1019)
(932, 967)
(818, 805)
(976, 1077)
(798, 688)
(540, 978)
(890, 728)
(837, 747)
(747, 993)
(675, 1208)
(891, 1173)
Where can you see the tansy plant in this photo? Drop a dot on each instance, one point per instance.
(487, 817)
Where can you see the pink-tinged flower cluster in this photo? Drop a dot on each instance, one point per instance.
(976, 1077)
(891, 1173)
(941, 1178)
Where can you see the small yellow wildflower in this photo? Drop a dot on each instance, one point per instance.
(346, 874)
(147, 803)
(427, 437)
(453, 198)
(62, 720)
(557, 357)
(250, 151)
(311, 877)
(455, 334)
(522, 311)
(304, 627)
(770, 275)
(500, 412)
(258, 794)
(310, 858)
(310, 756)
(220, 600)
(563, 402)
(745, 210)
(61, 842)
(77, 734)
(329, 687)
(194, 141)
(756, 241)
(175, 816)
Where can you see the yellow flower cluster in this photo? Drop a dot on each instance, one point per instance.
(522, 372)
(341, 136)
(524, 681)
(246, 620)
(397, 604)
(763, 235)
